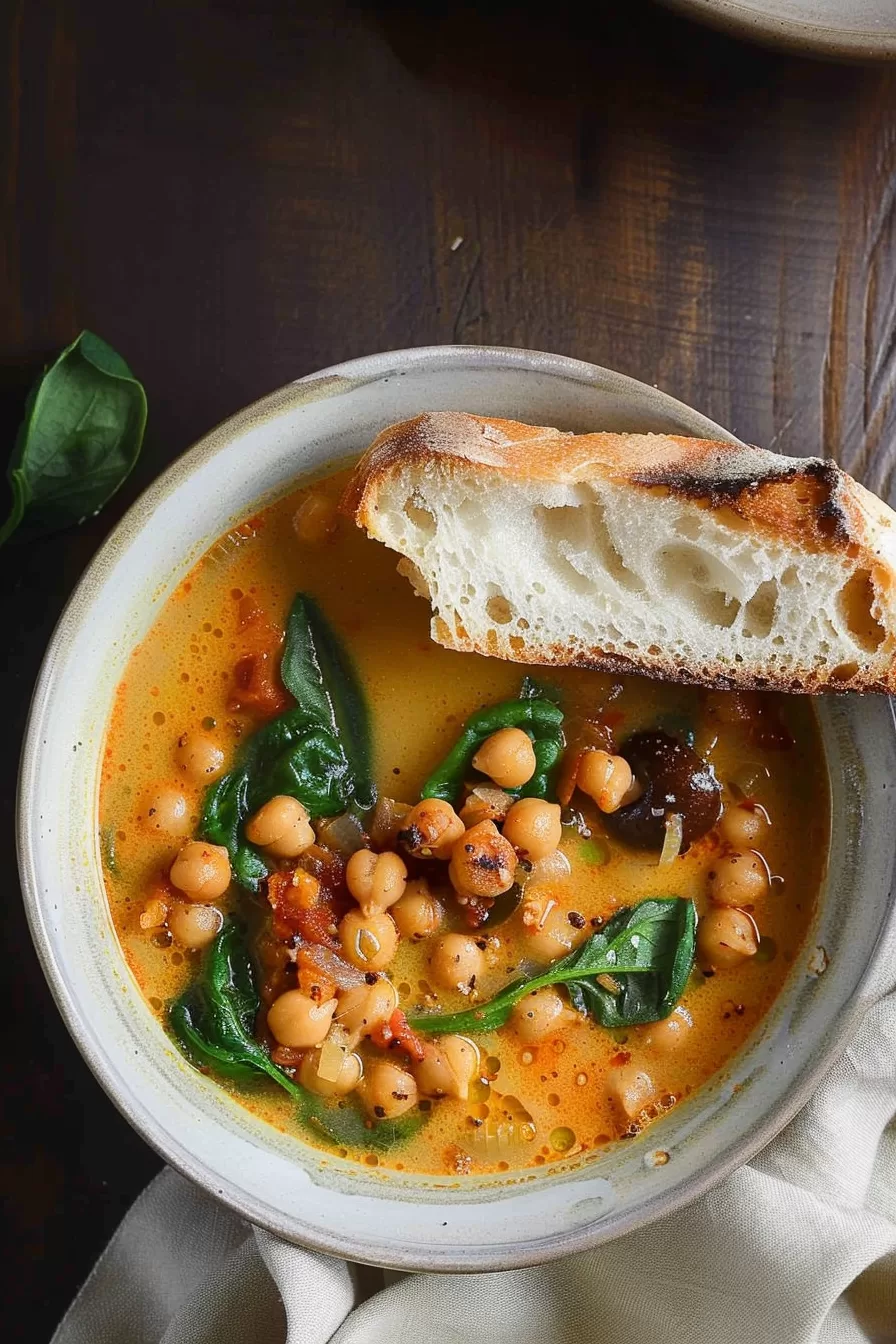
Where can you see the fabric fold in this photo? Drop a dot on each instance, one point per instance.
(797, 1248)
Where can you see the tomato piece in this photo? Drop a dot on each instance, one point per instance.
(397, 1034)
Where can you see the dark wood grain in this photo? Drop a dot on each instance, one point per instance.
(235, 195)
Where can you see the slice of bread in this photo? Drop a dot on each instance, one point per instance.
(678, 558)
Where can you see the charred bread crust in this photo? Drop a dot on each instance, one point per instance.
(808, 502)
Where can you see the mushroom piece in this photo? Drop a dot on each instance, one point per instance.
(674, 779)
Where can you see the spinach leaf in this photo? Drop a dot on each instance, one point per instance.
(80, 437)
(318, 752)
(345, 1126)
(647, 950)
(214, 1022)
(540, 718)
(214, 1019)
(318, 671)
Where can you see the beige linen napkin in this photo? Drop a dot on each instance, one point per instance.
(797, 1248)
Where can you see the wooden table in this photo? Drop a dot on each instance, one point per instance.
(234, 195)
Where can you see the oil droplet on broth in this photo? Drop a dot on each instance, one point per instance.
(562, 1139)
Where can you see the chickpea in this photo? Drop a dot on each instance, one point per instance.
(199, 756)
(671, 1033)
(375, 880)
(738, 879)
(297, 1020)
(725, 937)
(744, 825)
(387, 1090)
(167, 812)
(533, 827)
(549, 934)
(430, 829)
(448, 1067)
(201, 871)
(434, 1075)
(482, 863)
(365, 1007)
(507, 757)
(315, 519)
(631, 1089)
(368, 941)
(457, 962)
(540, 1014)
(348, 1078)
(607, 779)
(418, 914)
(194, 926)
(282, 827)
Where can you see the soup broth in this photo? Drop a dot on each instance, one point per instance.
(552, 1082)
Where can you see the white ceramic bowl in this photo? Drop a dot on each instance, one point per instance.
(273, 1179)
(849, 30)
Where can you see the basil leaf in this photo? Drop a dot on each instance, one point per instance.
(214, 1019)
(647, 949)
(318, 671)
(79, 439)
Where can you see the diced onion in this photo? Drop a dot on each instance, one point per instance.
(552, 868)
(330, 964)
(332, 1058)
(495, 799)
(154, 913)
(674, 824)
(342, 833)
(385, 822)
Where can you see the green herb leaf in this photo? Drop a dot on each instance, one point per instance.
(540, 718)
(647, 949)
(345, 1125)
(79, 439)
(214, 1019)
(318, 671)
(318, 752)
(214, 1023)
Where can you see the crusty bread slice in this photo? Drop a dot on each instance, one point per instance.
(678, 558)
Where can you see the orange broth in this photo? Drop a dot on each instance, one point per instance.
(532, 1104)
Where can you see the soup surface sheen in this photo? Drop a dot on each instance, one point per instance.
(205, 678)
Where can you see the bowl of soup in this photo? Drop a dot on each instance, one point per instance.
(371, 939)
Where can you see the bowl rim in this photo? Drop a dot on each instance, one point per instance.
(342, 377)
(802, 36)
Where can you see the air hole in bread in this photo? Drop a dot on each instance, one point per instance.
(499, 609)
(760, 611)
(845, 672)
(579, 533)
(698, 579)
(422, 519)
(856, 602)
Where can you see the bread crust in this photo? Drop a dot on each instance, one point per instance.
(809, 503)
